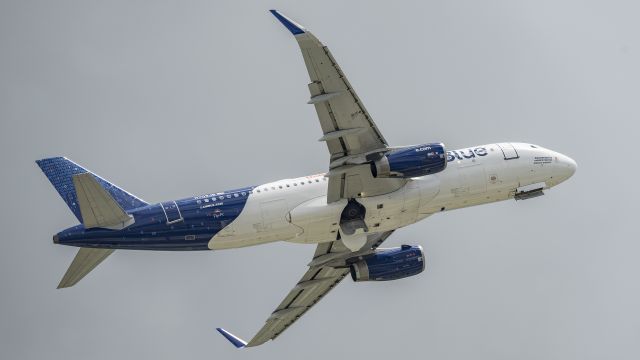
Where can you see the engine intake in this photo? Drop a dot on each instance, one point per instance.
(411, 161)
(389, 264)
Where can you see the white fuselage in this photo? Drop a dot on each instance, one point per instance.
(296, 210)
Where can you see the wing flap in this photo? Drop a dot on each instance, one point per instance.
(86, 260)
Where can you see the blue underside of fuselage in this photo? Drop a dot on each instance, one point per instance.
(188, 224)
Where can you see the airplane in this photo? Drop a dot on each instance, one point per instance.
(370, 190)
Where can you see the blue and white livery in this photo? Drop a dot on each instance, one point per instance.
(369, 190)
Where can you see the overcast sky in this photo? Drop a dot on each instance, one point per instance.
(173, 98)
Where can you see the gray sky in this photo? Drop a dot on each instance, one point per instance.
(169, 99)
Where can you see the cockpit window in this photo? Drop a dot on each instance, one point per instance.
(533, 146)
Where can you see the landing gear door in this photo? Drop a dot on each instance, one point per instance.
(508, 151)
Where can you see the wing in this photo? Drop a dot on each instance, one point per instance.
(326, 270)
(353, 139)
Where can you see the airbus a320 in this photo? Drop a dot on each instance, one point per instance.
(370, 190)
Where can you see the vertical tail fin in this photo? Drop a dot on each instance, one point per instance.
(60, 172)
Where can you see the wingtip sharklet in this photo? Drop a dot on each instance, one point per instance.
(295, 28)
(236, 341)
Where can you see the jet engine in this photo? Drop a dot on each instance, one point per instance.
(389, 264)
(411, 161)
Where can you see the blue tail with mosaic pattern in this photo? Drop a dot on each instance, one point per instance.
(60, 171)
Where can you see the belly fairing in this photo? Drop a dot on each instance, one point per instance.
(318, 220)
(266, 216)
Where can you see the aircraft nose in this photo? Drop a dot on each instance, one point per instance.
(567, 166)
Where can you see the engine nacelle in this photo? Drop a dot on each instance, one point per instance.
(389, 264)
(411, 161)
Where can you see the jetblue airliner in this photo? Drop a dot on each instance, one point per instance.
(370, 190)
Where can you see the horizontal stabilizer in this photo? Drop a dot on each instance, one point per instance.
(236, 341)
(97, 206)
(86, 260)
